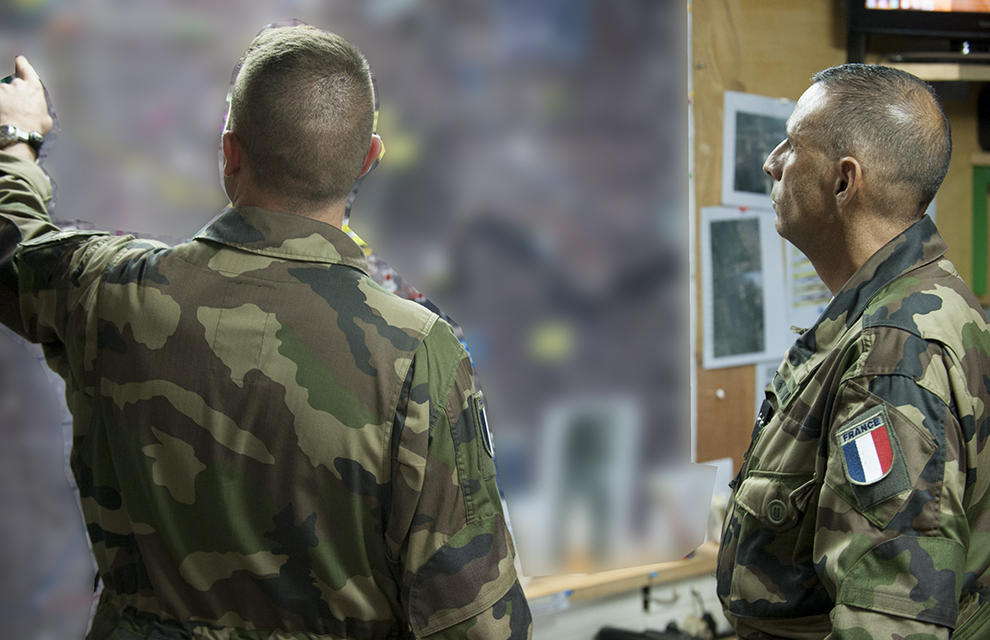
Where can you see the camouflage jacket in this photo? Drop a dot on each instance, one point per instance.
(267, 444)
(862, 508)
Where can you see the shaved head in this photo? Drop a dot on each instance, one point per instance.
(302, 105)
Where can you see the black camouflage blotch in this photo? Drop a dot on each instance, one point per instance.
(984, 429)
(911, 363)
(134, 576)
(464, 430)
(10, 235)
(905, 520)
(801, 350)
(106, 497)
(470, 487)
(420, 394)
(230, 226)
(521, 617)
(110, 539)
(514, 603)
(356, 478)
(43, 263)
(122, 579)
(338, 285)
(930, 583)
(144, 267)
(126, 576)
(899, 390)
(448, 560)
(969, 585)
(421, 519)
(443, 582)
(935, 469)
(398, 427)
(294, 588)
(725, 566)
(119, 541)
(798, 578)
(109, 338)
(401, 408)
(95, 532)
(434, 417)
(903, 318)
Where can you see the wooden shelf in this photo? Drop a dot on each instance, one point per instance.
(944, 71)
(597, 585)
(980, 159)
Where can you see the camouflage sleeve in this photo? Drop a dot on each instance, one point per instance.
(891, 531)
(46, 274)
(24, 193)
(446, 533)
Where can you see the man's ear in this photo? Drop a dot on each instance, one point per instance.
(375, 152)
(233, 153)
(848, 181)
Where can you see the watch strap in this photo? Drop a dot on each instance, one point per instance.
(12, 134)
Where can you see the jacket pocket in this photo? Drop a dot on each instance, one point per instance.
(777, 500)
(767, 569)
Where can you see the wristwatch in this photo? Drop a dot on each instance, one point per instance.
(11, 134)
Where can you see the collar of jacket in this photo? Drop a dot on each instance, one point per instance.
(283, 235)
(918, 245)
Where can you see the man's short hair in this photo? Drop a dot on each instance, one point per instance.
(302, 106)
(892, 120)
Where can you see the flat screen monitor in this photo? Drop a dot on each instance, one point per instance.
(955, 20)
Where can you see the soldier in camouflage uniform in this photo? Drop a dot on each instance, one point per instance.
(267, 444)
(862, 508)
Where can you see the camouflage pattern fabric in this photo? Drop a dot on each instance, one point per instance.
(267, 444)
(810, 549)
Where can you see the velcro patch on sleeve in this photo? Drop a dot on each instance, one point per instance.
(481, 419)
(871, 457)
(867, 447)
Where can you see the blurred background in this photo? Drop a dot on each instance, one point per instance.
(534, 189)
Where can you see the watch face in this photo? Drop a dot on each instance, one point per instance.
(8, 134)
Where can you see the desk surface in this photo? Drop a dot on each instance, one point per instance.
(597, 585)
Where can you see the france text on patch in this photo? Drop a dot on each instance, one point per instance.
(867, 448)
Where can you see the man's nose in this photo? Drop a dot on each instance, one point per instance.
(771, 166)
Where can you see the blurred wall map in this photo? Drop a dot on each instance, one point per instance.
(533, 188)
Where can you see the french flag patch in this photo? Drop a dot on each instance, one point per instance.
(867, 448)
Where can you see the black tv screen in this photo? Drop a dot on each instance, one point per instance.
(936, 18)
(938, 26)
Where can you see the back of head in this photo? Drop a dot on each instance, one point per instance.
(893, 124)
(302, 106)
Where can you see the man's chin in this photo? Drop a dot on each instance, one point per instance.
(784, 231)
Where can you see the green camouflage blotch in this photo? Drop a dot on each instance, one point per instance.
(324, 393)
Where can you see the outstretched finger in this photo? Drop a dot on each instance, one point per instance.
(24, 70)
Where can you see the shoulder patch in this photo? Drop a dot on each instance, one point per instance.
(868, 447)
(478, 406)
